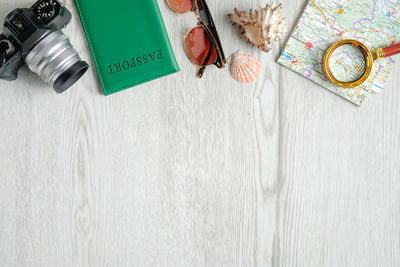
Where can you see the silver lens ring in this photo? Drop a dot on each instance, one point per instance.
(52, 57)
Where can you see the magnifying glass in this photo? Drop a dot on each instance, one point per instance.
(348, 63)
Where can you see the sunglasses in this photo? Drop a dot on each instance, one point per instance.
(202, 43)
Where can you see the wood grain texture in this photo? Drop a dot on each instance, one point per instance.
(189, 172)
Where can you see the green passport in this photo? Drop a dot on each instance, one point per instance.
(128, 41)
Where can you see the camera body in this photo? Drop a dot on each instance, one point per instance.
(33, 36)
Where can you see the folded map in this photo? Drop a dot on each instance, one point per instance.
(376, 23)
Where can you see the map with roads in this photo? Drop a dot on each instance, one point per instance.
(376, 23)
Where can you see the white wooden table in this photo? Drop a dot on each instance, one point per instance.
(189, 172)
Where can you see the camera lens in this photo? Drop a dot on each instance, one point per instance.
(56, 61)
(70, 76)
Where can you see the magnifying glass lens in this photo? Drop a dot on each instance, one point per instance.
(347, 63)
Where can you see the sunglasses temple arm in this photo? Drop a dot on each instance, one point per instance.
(201, 71)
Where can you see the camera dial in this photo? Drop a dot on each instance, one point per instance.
(6, 47)
(46, 10)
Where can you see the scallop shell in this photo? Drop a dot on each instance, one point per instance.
(260, 27)
(245, 68)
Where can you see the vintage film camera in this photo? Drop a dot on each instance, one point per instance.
(33, 36)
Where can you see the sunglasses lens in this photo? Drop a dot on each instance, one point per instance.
(180, 6)
(199, 47)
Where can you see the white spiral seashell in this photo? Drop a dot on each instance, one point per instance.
(245, 68)
(261, 26)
